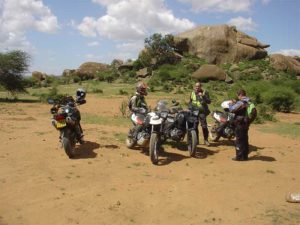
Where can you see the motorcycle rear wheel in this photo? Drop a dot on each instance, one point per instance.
(154, 148)
(192, 142)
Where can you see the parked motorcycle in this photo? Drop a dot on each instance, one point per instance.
(223, 123)
(143, 136)
(66, 119)
(172, 124)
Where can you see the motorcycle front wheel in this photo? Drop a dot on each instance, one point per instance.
(192, 142)
(130, 143)
(154, 148)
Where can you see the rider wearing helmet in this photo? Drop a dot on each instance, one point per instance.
(138, 106)
(80, 99)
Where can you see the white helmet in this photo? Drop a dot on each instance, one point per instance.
(226, 104)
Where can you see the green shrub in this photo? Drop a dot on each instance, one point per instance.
(167, 87)
(264, 113)
(280, 99)
(52, 93)
(124, 108)
(122, 92)
(76, 79)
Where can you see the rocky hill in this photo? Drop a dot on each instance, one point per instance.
(220, 44)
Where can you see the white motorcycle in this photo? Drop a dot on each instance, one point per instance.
(223, 123)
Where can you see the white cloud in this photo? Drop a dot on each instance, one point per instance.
(87, 27)
(92, 44)
(131, 46)
(219, 5)
(17, 16)
(289, 52)
(245, 24)
(133, 20)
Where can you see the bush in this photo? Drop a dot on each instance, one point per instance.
(124, 108)
(167, 87)
(264, 113)
(280, 99)
(123, 92)
(52, 93)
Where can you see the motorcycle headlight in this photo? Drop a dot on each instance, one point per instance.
(67, 110)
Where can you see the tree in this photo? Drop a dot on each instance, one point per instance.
(160, 48)
(13, 65)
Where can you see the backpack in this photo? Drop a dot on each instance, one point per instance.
(251, 112)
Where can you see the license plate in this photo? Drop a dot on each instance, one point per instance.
(60, 124)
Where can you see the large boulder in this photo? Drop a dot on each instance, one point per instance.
(209, 72)
(143, 73)
(39, 75)
(88, 70)
(285, 63)
(117, 62)
(126, 66)
(68, 72)
(220, 44)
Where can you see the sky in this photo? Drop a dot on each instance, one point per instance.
(63, 34)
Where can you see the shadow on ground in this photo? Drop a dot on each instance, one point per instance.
(203, 153)
(86, 150)
(262, 158)
(169, 157)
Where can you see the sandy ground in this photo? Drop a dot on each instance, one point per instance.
(110, 184)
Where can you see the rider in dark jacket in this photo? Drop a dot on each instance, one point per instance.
(241, 121)
(200, 99)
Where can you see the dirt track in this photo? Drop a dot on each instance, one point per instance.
(109, 184)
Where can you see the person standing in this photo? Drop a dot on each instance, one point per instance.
(241, 121)
(200, 99)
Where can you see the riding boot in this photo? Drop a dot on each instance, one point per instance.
(205, 133)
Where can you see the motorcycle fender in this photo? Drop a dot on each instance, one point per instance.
(216, 116)
(155, 120)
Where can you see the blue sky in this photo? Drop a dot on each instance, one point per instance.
(62, 34)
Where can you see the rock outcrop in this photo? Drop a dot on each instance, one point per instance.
(285, 63)
(39, 75)
(209, 72)
(220, 44)
(88, 70)
(68, 72)
(143, 73)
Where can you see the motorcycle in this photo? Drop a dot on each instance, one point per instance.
(172, 124)
(143, 136)
(66, 118)
(223, 123)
